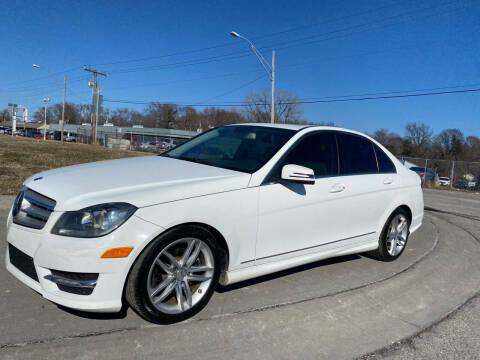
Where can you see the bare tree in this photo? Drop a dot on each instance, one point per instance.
(473, 148)
(39, 115)
(287, 108)
(390, 140)
(160, 115)
(420, 137)
(5, 115)
(72, 114)
(449, 144)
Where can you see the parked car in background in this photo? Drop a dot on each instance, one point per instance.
(70, 138)
(428, 176)
(234, 203)
(444, 181)
(167, 144)
(149, 146)
(461, 184)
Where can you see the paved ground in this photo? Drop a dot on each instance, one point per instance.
(457, 336)
(340, 308)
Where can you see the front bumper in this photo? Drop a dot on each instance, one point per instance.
(78, 255)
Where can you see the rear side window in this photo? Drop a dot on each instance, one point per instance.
(356, 155)
(317, 152)
(385, 165)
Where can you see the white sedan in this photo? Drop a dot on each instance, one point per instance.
(233, 203)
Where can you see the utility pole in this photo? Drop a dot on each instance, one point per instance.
(25, 118)
(95, 97)
(63, 106)
(14, 108)
(272, 108)
(45, 101)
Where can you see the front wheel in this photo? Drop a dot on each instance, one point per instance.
(394, 236)
(175, 276)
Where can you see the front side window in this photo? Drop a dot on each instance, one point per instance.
(317, 152)
(243, 148)
(356, 155)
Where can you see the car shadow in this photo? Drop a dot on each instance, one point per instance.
(279, 274)
(122, 314)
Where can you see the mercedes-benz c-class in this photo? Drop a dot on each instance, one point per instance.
(236, 202)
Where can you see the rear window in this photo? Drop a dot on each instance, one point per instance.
(356, 155)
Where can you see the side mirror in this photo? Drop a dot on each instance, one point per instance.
(298, 174)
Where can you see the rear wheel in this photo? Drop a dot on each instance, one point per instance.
(394, 236)
(175, 276)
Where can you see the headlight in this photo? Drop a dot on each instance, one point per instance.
(93, 221)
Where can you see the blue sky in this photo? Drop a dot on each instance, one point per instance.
(181, 51)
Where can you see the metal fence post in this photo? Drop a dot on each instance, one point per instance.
(452, 174)
(425, 173)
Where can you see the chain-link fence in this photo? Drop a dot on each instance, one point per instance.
(445, 174)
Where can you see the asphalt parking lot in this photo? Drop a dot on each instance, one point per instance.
(347, 307)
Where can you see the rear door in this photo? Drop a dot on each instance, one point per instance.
(369, 177)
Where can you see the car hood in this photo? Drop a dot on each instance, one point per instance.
(140, 181)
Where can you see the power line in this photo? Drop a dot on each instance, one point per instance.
(309, 101)
(46, 77)
(230, 44)
(285, 44)
(391, 92)
(386, 97)
(235, 89)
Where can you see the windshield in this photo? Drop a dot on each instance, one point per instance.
(239, 147)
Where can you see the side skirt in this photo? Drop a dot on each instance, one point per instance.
(234, 276)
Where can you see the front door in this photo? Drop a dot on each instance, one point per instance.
(295, 217)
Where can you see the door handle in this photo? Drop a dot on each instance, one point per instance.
(388, 181)
(337, 188)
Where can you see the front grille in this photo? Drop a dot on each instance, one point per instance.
(22, 262)
(32, 209)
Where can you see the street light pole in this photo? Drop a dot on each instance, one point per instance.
(45, 101)
(36, 66)
(269, 69)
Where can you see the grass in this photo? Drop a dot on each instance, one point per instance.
(22, 157)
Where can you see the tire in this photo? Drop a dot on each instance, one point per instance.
(385, 252)
(159, 270)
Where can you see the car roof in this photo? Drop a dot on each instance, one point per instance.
(275, 125)
(296, 127)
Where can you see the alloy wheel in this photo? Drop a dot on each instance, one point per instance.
(397, 234)
(180, 275)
